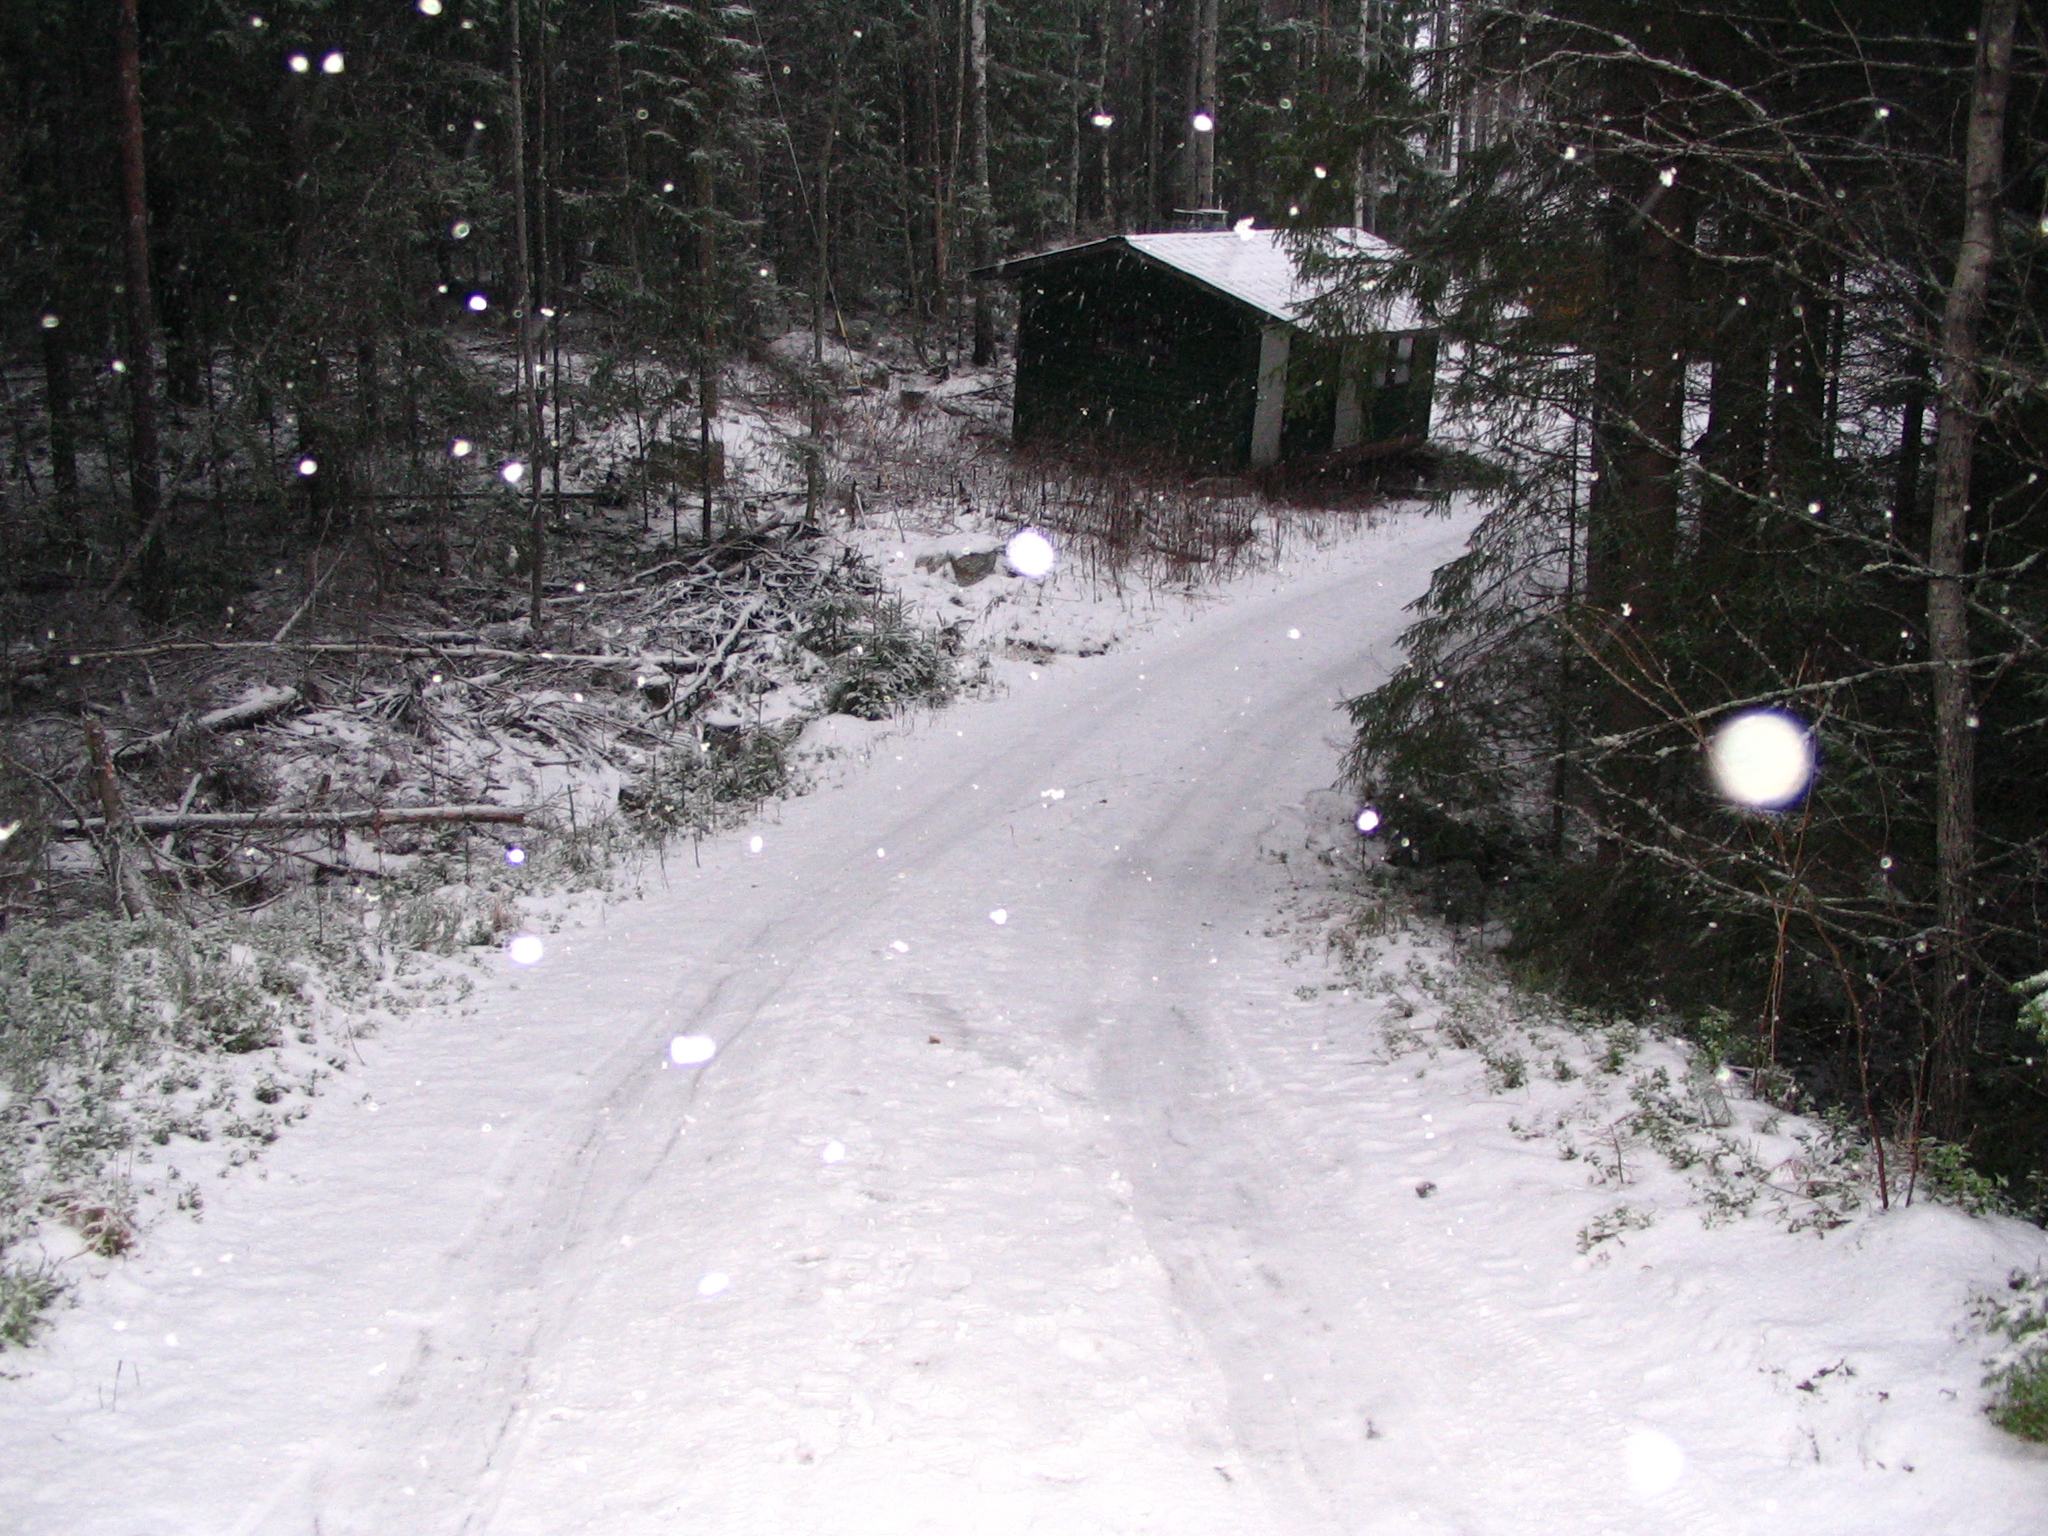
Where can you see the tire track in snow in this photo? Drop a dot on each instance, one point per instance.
(1177, 1080)
(458, 1400)
(464, 1400)
(1257, 1252)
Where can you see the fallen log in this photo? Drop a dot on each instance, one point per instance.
(50, 660)
(295, 821)
(255, 707)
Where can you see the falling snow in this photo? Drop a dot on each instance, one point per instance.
(1031, 554)
(692, 1050)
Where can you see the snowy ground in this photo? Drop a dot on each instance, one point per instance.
(1038, 1183)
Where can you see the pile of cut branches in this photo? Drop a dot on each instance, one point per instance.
(193, 771)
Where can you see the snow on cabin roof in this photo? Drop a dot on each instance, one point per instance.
(1252, 266)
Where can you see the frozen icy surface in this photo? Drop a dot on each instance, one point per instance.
(1022, 1183)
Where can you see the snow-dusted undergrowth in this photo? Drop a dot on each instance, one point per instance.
(2018, 1367)
(1649, 1127)
(135, 1062)
(141, 1059)
(1644, 1113)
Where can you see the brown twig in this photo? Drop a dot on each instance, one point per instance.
(709, 676)
(114, 823)
(312, 593)
(42, 663)
(252, 821)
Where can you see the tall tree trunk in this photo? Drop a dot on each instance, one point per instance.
(1660, 395)
(622, 123)
(1072, 95)
(548, 286)
(522, 317)
(1149, 192)
(63, 428)
(1958, 418)
(1202, 102)
(1633, 538)
(906, 180)
(1365, 209)
(1732, 456)
(1801, 430)
(1108, 207)
(822, 289)
(707, 332)
(984, 213)
(1908, 526)
(1632, 521)
(181, 330)
(946, 180)
(145, 487)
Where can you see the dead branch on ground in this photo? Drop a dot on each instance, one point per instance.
(291, 821)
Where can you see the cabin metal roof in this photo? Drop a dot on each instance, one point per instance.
(1252, 266)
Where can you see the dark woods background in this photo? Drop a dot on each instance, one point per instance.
(1752, 356)
(331, 185)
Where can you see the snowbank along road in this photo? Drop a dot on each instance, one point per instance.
(1020, 1192)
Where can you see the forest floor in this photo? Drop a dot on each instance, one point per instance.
(1053, 1122)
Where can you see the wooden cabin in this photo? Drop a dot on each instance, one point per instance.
(1198, 344)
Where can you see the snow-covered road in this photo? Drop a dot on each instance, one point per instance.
(1023, 1194)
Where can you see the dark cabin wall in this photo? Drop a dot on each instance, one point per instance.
(1314, 370)
(1112, 350)
(1397, 390)
(1394, 376)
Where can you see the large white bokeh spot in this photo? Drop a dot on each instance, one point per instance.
(1761, 759)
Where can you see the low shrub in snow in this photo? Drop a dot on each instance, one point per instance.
(118, 1038)
(1597, 1098)
(122, 1042)
(701, 786)
(880, 662)
(27, 1292)
(1812, 1168)
(1948, 1175)
(1611, 1225)
(2018, 1369)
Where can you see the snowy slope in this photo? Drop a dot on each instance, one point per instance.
(1031, 1188)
